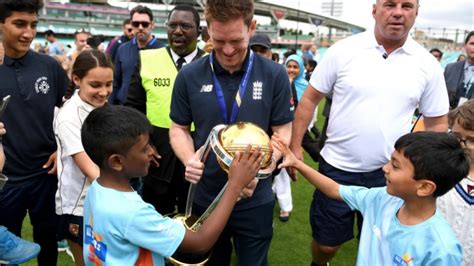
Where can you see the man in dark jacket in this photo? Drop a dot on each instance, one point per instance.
(115, 43)
(127, 55)
(459, 76)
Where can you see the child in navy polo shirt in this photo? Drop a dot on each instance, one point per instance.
(36, 84)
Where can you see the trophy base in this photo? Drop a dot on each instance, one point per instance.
(184, 258)
(188, 259)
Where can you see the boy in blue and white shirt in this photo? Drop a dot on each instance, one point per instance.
(401, 223)
(119, 227)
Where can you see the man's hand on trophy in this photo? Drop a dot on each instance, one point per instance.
(248, 190)
(194, 167)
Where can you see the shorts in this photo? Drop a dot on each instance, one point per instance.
(70, 227)
(332, 221)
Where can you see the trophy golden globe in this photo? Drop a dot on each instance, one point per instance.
(225, 141)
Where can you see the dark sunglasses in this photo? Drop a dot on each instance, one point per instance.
(136, 24)
(129, 30)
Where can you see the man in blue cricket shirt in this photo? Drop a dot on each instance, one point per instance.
(205, 93)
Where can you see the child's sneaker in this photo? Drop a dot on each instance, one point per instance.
(14, 250)
(62, 245)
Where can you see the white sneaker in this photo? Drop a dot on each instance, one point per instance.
(62, 245)
(69, 252)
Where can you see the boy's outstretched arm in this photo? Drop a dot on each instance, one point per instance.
(326, 185)
(243, 169)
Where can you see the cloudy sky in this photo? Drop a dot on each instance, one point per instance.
(452, 14)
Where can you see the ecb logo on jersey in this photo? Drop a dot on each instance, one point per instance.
(257, 90)
(42, 85)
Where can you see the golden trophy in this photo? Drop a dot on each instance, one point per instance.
(225, 141)
(184, 258)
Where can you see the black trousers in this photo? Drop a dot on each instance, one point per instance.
(36, 196)
(170, 198)
(311, 146)
(250, 231)
(165, 187)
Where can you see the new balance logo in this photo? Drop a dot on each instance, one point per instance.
(206, 88)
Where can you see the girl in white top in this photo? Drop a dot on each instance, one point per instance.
(91, 85)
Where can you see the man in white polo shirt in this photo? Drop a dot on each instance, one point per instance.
(377, 79)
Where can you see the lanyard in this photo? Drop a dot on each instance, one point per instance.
(468, 86)
(240, 92)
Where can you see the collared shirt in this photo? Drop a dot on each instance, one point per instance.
(72, 183)
(136, 96)
(384, 240)
(189, 58)
(468, 73)
(125, 61)
(459, 78)
(229, 82)
(374, 98)
(115, 45)
(266, 103)
(457, 205)
(36, 83)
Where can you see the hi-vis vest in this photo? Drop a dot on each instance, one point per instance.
(158, 73)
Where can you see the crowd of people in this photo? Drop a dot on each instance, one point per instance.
(100, 144)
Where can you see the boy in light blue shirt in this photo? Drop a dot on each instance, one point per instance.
(119, 227)
(401, 223)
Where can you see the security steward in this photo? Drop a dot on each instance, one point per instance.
(150, 92)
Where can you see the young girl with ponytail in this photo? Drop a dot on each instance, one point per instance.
(91, 85)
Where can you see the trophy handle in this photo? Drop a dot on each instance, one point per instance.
(192, 187)
(189, 201)
(209, 209)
